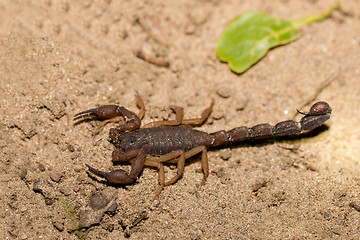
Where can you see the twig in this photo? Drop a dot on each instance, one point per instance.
(157, 62)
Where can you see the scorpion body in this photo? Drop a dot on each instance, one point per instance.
(164, 139)
(171, 142)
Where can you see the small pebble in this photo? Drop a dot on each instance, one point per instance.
(74, 155)
(45, 189)
(257, 186)
(89, 218)
(78, 168)
(70, 147)
(63, 147)
(65, 190)
(55, 176)
(80, 234)
(190, 29)
(218, 114)
(98, 201)
(49, 201)
(23, 173)
(112, 208)
(225, 154)
(222, 175)
(59, 226)
(199, 15)
(223, 92)
(220, 172)
(41, 167)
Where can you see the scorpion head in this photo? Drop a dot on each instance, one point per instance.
(125, 140)
(114, 137)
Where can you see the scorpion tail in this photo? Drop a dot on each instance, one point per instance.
(319, 113)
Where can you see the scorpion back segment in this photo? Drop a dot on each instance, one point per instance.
(171, 142)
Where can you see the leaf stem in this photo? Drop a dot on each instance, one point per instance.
(316, 17)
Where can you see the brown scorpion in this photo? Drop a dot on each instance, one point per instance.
(174, 141)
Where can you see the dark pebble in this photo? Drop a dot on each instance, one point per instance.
(98, 201)
(41, 167)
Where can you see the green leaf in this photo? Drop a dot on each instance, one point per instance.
(248, 37)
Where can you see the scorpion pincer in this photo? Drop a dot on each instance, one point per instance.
(174, 141)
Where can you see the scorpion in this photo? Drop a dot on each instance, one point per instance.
(174, 141)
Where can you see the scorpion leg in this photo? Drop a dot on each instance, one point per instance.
(198, 121)
(140, 104)
(120, 176)
(179, 157)
(180, 167)
(204, 160)
(193, 152)
(179, 111)
(160, 166)
(179, 118)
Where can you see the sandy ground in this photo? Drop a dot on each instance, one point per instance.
(62, 57)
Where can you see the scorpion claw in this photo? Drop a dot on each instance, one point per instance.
(102, 112)
(116, 176)
(97, 172)
(85, 114)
